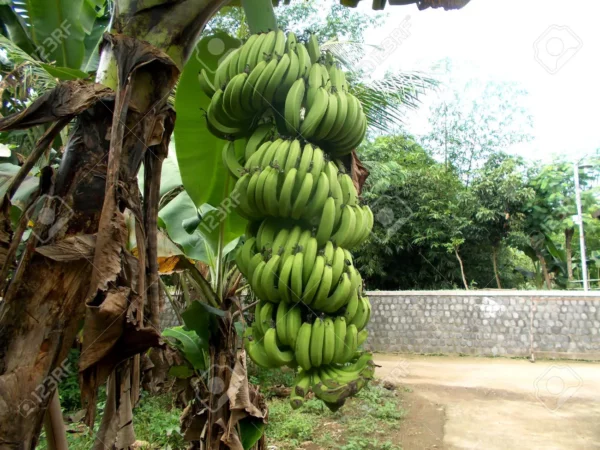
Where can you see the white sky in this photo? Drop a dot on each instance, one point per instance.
(494, 39)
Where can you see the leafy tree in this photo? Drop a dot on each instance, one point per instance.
(470, 124)
(500, 191)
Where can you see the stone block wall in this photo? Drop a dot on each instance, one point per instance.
(487, 323)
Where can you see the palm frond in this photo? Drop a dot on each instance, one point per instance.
(384, 100)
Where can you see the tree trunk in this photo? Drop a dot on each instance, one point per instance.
(54, 426)
(544, 267)
(49, 294)
(462, 269)
(569, 232)
(495, 263)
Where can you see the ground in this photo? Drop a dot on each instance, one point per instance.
(500, 403)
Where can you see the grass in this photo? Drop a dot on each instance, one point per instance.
(367, 422)
(155, 421)
(364, 423)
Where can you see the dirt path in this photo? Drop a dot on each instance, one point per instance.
(490, 404)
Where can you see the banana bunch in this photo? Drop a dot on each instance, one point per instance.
(333, 384)
(252, 79)
(333, 117)
(292, 105)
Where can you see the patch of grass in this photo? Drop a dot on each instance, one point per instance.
(155, 421)
(267, 378)
(363, 423)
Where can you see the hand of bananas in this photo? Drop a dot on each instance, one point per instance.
(293, 106)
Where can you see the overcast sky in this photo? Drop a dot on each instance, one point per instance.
(495, 39)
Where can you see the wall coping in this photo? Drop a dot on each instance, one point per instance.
(490, 293)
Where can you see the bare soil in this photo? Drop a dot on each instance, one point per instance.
(484, 403)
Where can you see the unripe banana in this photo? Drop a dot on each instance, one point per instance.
(245, 52)
(293, 105)
(253, 55)
(350, 344)
(315, 114)
(206, 84)
(281, 323)
(256, 352)
(340, 296)
(325, 228)
(302, 197)
(277, 357)
(302, 348)
(248, 90)
(338, 263)
(259, 99)
(293, 324)
(296, 277)
(317, 202)
(287, 189)
(346, 228)
(293, 158)
(328, 341)
(284, 279)
(276, 79)
(313, 48)
(260, 135)
(310, 255)
(324, 287)
(316, 342)
(312, 285)
(340, 337)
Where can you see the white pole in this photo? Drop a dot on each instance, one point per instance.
(581, 235)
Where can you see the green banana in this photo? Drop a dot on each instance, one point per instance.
(316, 342)
(284, 279)
(302, 197)
(266, 316)
(293, 324)
(340, 296)
(276, 356)
(328, 119)
(302, 348)
(247, 95)
(292, 74)
(328, 341)
(314, 51)
(325, 228)
(259, 99)
(312, 285)
(362, 314)
(266, 49)
(245, 52)
(260, 135)
(276, 79)
(301, 384)
(340, 338)
(290, 43)
(205, 84)
(342, 114)
(267, 279)
(317, 202)
(296, 277)
(281, 323)
(352, 306)
(287, 189)
(346, 228)
(221, 74)
(293, 105)
(324, 287)
(293, 156)
(270, 192)
(256, 352)
(230, 160)
(338, 263)
(303, 59)
(279, 47)
(315, 114)
(310, 255)
(253, 55)
(362, 337)
(255, 282)
(351, 343)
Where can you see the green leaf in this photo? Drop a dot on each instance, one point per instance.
(200, 317)
(251, 430)
(172, 217)
(181, 372)
(204, 176)
(189, 343)
(56, 29)
(64, 73)
(14, 29)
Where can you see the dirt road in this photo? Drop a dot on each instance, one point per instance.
(489, 404)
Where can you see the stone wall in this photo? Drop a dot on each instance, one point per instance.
(487, 323)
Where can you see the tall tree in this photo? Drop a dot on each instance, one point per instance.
(472, 122)
(500, 191)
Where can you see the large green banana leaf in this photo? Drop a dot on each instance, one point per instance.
(205, 178)
(58, 28)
